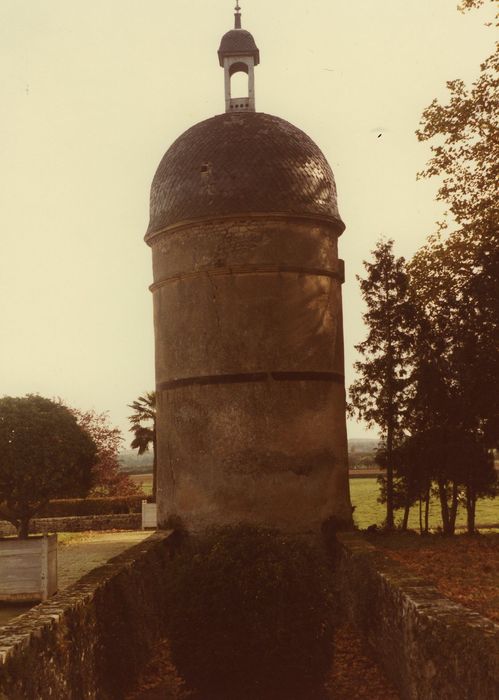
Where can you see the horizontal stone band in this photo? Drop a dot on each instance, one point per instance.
(252, 270)
(253, 377)
(329, 221)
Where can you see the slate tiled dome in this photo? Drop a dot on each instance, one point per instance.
(246, 163)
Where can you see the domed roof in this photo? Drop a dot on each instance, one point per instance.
(242, 163)
(238, 42)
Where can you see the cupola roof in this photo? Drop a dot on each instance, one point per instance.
(238, 42)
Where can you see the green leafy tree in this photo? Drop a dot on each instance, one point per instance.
(143, 426)
(456, 366)
(432, 405)
(465, 147)
(465, 156)
(477, 474)
(379, 394)
(455, 278)
(44, 454)
(411, 481)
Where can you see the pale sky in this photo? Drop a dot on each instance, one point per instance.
(93, 92)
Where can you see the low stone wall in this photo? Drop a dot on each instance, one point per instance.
(430, 647)
(91, 640)
(77, 523)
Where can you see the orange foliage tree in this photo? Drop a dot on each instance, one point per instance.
(108, 480)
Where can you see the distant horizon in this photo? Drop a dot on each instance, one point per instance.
(130, 450)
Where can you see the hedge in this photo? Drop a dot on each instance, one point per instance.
(109, 505)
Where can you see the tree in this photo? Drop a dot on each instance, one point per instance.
(411, 481)
(44, 454)
(107, 478)
(456, 279)
(456, 364)
(469, 4)
(143, 425)
(466, 151)
(476, 473)
(379, 394)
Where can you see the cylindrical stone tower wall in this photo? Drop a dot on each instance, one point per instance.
(249, 343)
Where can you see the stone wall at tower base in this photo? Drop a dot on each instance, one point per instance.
(91, 640)
(430, 647)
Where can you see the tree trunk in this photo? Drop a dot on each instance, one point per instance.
(389, 477)
(427, 511)
(154, 465)
(444, 506)
(389, 427)
(407, 508)
(23, 528)
(420, 515)
(453, 510)
(470, 509)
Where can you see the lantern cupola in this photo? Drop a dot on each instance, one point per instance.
(238, 53)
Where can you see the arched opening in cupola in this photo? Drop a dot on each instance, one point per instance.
(239, 81)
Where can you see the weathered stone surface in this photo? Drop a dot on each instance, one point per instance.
(264, 452)
(248, 328)
(91, 640)
(430, 647)
(249, 373)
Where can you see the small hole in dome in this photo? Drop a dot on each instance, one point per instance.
(204, 168)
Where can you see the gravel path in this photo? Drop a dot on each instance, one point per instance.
(79, 553)
(89, 550)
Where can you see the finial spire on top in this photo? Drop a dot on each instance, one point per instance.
(237, 16)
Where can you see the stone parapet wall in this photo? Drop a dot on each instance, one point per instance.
(80, 523)
(430, 647)
(91, 640)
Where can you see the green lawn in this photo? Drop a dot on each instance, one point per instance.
(368, 511)
(144, 481)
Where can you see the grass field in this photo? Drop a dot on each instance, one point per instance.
(368, 511)
(144, 481)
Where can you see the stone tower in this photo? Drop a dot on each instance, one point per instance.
(248, 319)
